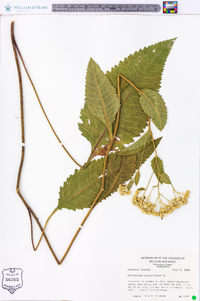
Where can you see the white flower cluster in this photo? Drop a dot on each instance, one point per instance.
(145, 205)
(123, 190)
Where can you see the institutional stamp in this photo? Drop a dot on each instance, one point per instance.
(12, 279)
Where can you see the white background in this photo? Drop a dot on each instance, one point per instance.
(56, 50)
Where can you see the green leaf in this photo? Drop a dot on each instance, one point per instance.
(154, 106)
(142, 151)
(132, 121)
(141, 189)
(119, 170)
(137, 177)
(164, 178)
(158, 168)
(101, 98)
(134, 180)
(144, 154)
(130, 184)
(80, 189)
(140, 143)
(143, 68)
(93, 129)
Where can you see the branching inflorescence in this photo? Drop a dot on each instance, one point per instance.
(161, 206)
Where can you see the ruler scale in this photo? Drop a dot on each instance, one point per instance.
(105, 8)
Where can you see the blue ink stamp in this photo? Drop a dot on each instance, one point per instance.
(12, 279)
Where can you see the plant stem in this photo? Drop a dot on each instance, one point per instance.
(101, 190)
(148, 184)
(156, 156)
(34, 89)
(30, 211)
(149, 124)
(92, 155)
(128, 81)
(85, 218)
(87, 215)
(45, 228)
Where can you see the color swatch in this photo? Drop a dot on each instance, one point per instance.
(170, 7)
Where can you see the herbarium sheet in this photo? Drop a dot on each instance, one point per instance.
(118, 218)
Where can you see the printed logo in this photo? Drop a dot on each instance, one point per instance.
(8, 8)
(12, 279)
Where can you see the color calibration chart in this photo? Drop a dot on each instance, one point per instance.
(170, 7)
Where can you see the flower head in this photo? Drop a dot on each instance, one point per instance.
(159, 207)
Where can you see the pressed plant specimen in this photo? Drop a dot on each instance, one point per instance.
(120, 107)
